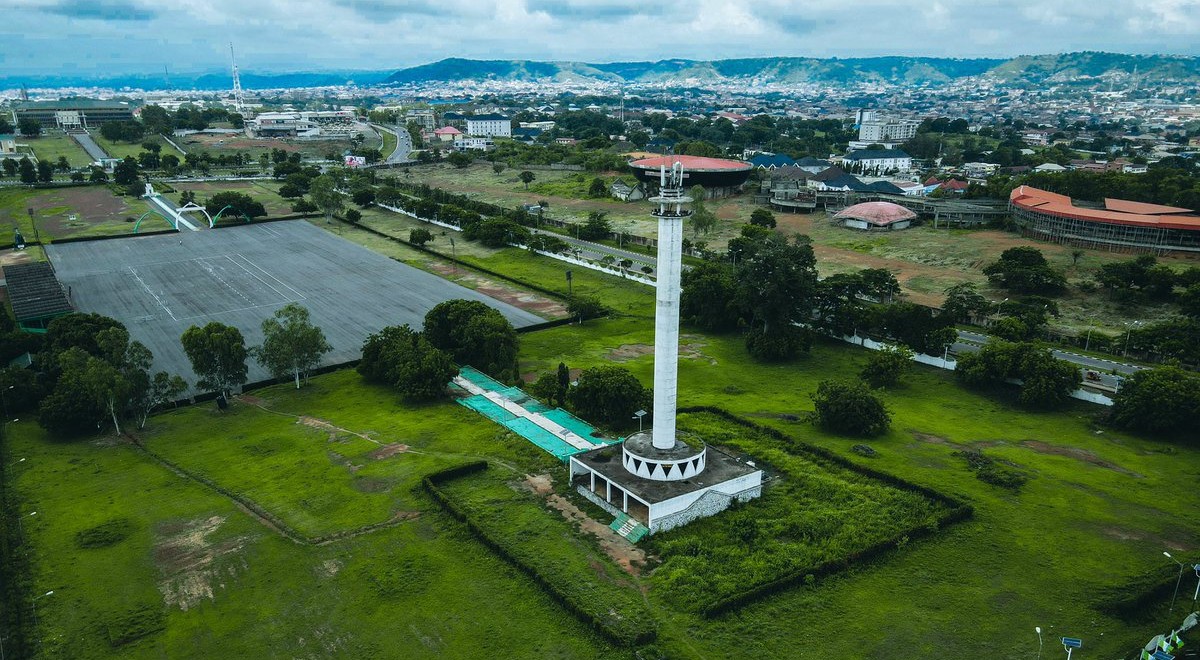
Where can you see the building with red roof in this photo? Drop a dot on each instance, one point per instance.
(1120, 224)
(874, 216)
(719, 176)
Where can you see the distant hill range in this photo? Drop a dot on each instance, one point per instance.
(211, 80)
(797, 70)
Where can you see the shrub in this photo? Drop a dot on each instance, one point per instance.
(105, 534)
(353, 215)
(851, 408)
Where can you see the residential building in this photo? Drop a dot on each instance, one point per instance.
(490, 125)
(447, 134)
(879, 160)
(474, 143)
(424, 119)
(887, 130)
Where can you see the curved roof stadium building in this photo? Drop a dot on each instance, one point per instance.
(876, 216)
(1120, 225)
(718, 175)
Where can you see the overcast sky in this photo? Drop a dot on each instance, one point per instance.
(125, 36)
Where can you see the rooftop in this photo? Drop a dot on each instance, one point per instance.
(875, 154)
(719, 468)
(71, 104)
(693, 163)
(1117, 211)
(876, 213)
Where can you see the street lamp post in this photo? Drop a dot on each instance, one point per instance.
(1000, 304)
(1038, 630)
(1195, 595)
(1129, 331)
(1177, 580)
(1087, 344)
(638, 416)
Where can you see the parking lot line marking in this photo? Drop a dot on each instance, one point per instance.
(152, 294)
(299, 296)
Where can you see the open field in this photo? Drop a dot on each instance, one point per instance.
(307, 148)
(123, 149)
(194, 575)
(98, 212)
(1099, 507)
(925, 260)
(159, 286)
(50, 146)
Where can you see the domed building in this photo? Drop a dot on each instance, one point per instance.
(875, 216)
(719, 176)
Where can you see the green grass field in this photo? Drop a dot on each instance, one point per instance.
(50, 146)
(123, 149)
(1099, 508)
(192, 575)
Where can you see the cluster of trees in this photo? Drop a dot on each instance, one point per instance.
(1143, 278)
(1046, 381)
(86, 374)
(1025, 270)
(234, 204)
(607, 395)
(1173, 181)
(158, 120)
(123, 131)
(292, 346)
(1164, 401)
(849, 407)
(27, 172)
(764, 284)
(419, 364)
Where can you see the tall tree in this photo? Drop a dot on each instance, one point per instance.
(405, 359)
(323, 192)
(526, 178)
(474, 334)
(609, 395)
(163, 388)
(28, 171)
(291, 343)
(218, 356)
(29, 127)
(703, 219)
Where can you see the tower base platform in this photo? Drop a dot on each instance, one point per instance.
(602, 476)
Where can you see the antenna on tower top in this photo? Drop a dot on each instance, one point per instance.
(239, 102)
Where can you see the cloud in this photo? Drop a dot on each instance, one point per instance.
(388, 34)
(102, 10)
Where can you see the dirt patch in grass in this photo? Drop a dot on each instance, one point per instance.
(630, 558)
(627, 352)
(387, 451)
(371, 485)
(329, 568)
(333, 430)
(526, 300)
(1077, 454)
(188, 561)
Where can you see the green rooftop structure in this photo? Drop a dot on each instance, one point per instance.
(36, 296)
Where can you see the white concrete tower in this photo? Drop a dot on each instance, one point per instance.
(670, 214)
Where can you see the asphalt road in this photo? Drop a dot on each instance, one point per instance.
(159, 286)
(403, 143)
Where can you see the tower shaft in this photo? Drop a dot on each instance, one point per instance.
(670, 214)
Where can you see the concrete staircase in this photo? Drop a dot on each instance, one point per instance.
(629, 528)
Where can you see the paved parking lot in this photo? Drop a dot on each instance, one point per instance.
(158, 286)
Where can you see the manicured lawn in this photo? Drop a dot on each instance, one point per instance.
(123, 149)
(50, 146)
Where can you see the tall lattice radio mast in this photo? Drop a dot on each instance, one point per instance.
(239, 102)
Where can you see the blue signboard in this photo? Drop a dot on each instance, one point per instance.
(1162, 655)
(1072, 643)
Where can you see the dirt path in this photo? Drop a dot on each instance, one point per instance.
(629, 557)
(305, 419)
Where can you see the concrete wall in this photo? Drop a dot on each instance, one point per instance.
(710, 503)
(673, 509)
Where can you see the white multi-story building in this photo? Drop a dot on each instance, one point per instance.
(282, 124)
(489, 126)
(874, 130)
(878, 160)
(476, 143)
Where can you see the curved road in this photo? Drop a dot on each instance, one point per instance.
(404, 144)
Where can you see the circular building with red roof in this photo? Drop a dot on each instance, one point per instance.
(719, 176)
(875, 216)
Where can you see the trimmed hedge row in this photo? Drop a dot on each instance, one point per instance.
(629, 635)
(957, 511)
